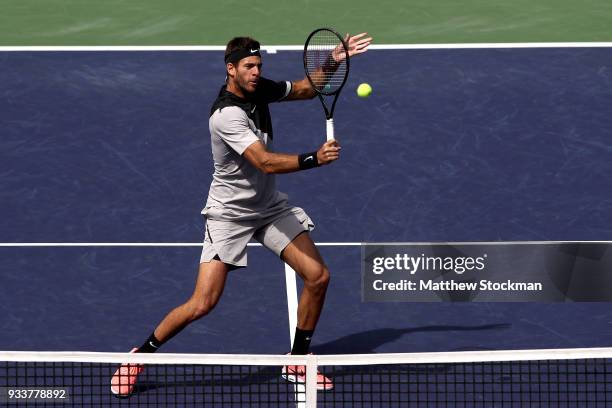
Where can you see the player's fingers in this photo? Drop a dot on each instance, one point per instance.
(364, 40)
(358, 36)
(355, 50)
(363, 43)
(332, 151)
(362, 46)
(330, 143)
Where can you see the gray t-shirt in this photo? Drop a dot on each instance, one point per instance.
(239, 191)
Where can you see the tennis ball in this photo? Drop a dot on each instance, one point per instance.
(364, 90)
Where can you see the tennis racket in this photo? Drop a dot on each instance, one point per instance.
(326, 62)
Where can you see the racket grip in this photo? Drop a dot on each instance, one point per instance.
(330, 129)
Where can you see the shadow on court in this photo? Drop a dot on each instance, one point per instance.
(364, 342)
(222, 376)
(368, 341)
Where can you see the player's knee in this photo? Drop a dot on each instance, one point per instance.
(200, 310)
(319, 279)
(202, 307)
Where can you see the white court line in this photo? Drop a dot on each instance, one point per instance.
(479, 356)
(491, 45)
(274, 48)
(254, 244)
(140, 244)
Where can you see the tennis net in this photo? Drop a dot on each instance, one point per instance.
(517, 378)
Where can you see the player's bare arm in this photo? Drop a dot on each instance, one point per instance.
(357, 44)
(277, 163)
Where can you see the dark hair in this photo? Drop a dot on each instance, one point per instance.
(237, 43)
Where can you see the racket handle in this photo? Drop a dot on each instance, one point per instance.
(330, 129)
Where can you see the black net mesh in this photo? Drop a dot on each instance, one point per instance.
(580, 382)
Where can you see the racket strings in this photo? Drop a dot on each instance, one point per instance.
(323, 52)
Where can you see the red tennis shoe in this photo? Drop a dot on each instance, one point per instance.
(297, 374)
(124, 379)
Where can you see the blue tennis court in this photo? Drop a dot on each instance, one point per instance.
(454, 145)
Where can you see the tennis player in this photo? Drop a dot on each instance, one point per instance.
(243, 203)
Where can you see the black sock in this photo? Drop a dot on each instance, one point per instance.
(301, 342)
(150, 346)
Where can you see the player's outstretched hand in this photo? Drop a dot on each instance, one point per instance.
(329, 152)
(357, 44)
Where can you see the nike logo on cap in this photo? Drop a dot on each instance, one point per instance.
(253, 51)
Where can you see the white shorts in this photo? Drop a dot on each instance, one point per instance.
(227, 240)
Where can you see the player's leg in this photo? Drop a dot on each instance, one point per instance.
(287, 235)
(209, 287)
(208, 290)
(302, 255)
(224, 249)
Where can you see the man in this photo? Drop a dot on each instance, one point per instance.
(243, 203)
